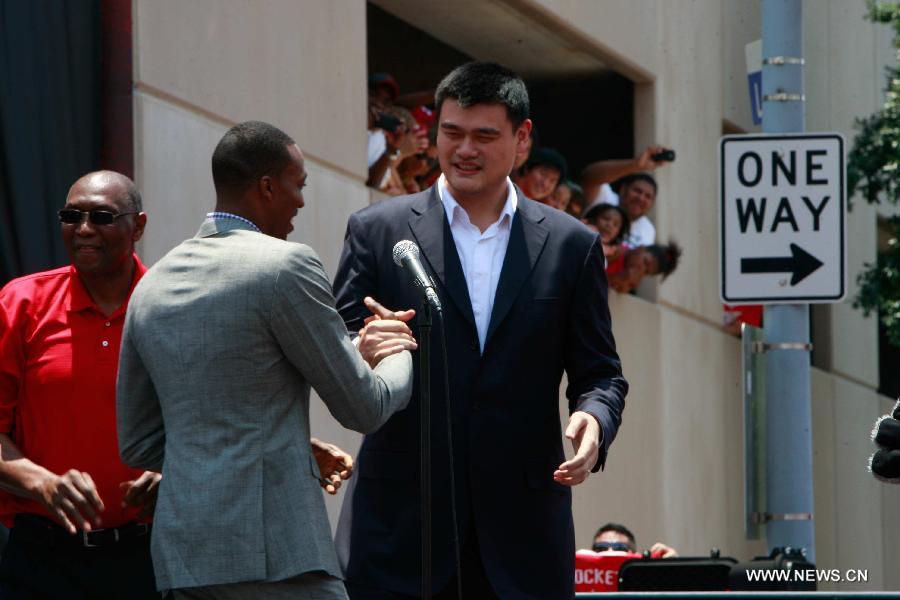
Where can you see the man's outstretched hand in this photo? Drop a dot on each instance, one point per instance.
(141, 493)
(584, 432)
(385, 333)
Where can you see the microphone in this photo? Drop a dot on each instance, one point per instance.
(406, 255)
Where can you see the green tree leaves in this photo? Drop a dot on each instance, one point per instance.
(873, 171)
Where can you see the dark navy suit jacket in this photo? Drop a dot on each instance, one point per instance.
(550, 314)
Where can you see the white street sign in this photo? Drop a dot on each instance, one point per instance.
(783, 218)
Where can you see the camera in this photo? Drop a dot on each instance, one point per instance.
(664, 156)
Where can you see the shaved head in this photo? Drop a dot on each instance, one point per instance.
(110, 183)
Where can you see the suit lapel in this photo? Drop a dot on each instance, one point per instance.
(526, 241)
(431, 229)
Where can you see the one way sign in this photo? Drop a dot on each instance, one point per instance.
(783, 214)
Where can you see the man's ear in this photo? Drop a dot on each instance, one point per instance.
(264, 185)
(140, 221)
(524, 132)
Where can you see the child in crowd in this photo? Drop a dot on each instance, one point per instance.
(612, 223)
(564, 195)
(560, 197)
(641, 262)
(543, 170)
(576, 204)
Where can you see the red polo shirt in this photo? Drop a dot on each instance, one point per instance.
(58, 360)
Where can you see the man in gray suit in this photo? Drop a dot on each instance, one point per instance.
(223, 338)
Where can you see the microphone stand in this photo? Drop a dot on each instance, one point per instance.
(424, 341)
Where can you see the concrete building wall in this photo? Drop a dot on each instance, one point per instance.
(298, 65)
(741, 24)
(675, 471)
(628, 30)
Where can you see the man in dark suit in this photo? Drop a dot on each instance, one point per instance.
(524, 298)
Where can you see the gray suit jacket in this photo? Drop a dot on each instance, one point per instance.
(223, 338)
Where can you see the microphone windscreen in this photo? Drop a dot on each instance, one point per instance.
(404, 248)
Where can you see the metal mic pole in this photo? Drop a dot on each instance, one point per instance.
(425, 439)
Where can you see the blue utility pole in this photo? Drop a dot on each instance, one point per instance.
(789, 483)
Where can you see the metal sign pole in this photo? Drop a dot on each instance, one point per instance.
(789, 485)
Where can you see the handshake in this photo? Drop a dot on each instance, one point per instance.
(885, 462)
(385, 333)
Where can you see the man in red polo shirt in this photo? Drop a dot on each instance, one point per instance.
(78, 514)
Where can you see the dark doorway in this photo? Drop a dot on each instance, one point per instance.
(587, 117)
(417, 60)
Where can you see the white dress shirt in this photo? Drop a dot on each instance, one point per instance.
(481, 254)
(377, 145)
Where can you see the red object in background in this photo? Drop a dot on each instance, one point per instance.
(599, 571)
(617, 265)
(424, 116)
(751, 314)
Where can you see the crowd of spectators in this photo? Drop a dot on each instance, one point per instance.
(402, 156)
(612, 197)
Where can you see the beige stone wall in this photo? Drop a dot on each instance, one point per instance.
(298, 65)
(852, 531)
(633, 47)
(741, 24)
(675, 472)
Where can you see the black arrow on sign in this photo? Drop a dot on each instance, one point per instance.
(800, 264)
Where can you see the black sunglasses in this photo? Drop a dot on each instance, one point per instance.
(73, 216)
(607, 546)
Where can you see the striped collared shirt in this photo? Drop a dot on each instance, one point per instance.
(217, 215)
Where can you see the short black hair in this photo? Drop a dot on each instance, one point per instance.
(485, 83)
(593, 212)
(576, 189)
(666, 256)
(618, 529)
(547, 157)
(247, 152)
(642, 176)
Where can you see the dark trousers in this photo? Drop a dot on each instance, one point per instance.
(475, 583)
(41, 567)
